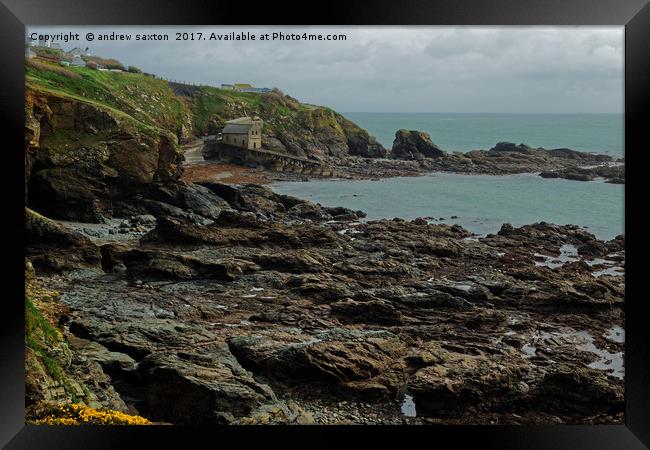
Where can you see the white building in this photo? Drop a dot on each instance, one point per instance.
(78, 62)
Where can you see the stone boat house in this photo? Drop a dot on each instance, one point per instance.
(244, 132)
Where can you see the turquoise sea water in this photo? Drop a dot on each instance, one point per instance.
(481, 202)
(599, 133)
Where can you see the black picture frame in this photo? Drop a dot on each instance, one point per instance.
(633, 14)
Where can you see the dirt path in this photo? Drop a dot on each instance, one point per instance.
(196, 168)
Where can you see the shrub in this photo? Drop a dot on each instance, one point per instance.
(109, 63)
(75, 414)
(51, 54)
(52, 68)
(134, 69)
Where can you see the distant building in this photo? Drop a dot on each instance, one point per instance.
(240, 86)
(78, 62)
(65, 63)
(56, 45)
(256, 90)
(245, 87)
(29, 53)
(244, 132)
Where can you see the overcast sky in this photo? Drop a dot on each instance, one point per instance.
(397, 69)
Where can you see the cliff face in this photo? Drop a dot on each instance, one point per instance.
(80, 156)
(95, 137)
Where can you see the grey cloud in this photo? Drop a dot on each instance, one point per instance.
(446, 69)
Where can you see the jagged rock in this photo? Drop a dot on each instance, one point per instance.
(579, 390)
(151, 264)
(80, 157)
(191, 198)
(511, 147)
(373, 311)
(200, 388)
(49, 246)
(356, 359)
(414, 145)
(452, 381)
(299, 301)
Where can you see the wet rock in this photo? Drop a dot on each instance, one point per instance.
(373, 311)
(152, 264)
(355, 359)
(145, 219)
(452, 381)
(200, 388)
(578, 389)
(49, 246)
(593, 248)
(308, 211)
(192, 198)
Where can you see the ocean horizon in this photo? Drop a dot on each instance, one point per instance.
(586, 132)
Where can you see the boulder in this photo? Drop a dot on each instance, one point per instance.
(511, 147)
(208, 387)
(414, 145)
(579, 390)
(51, 247)
(452, 382)
(355, 359)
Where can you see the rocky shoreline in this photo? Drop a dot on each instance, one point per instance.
(161, 291)
(222, 304)
(503, 159)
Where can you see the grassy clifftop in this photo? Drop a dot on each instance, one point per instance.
(289, 125)
(148, 101)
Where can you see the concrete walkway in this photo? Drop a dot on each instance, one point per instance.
(193, 152)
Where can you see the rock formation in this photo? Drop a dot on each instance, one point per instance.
(414, 145)
(269, 309)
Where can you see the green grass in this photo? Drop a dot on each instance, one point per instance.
(149, 105)
(209, 103)
(150, 102)
(40, 335)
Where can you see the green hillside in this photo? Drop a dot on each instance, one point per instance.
(148, 100)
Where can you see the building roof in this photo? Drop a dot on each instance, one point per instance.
(232, 128)
(241, 121)
(240, 125)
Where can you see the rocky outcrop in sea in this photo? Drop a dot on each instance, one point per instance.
(415, 154)
(414, 145)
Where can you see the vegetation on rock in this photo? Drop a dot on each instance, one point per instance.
(84, 415)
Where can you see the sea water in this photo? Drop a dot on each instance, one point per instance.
(482, 203)
(598, 133)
